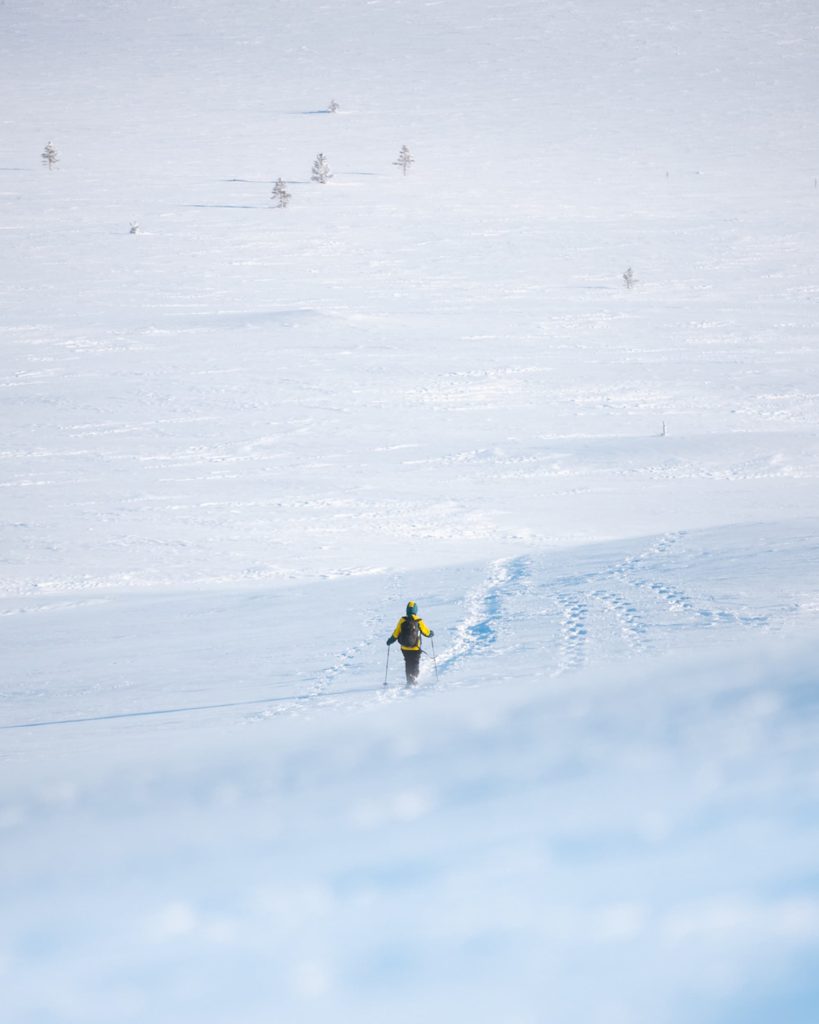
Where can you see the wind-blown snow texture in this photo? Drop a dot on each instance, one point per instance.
(237, 441)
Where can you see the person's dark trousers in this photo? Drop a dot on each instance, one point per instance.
(412, 664)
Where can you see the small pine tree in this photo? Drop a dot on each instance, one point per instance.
(280, 194)
(50, 155)
(321, 170)
(405, 159)
(629, 280)
(332, 107)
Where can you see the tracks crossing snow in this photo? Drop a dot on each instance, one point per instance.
(550, 613)
(651, 599)
(654, 598)
(485, 610)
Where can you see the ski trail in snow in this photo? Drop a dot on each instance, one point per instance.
(631, 624)
(638, 572)
(323, 691)
(630, 601)
(373, 619)
(626, 608)
(330, 675)
(573, 634)
(478, 630)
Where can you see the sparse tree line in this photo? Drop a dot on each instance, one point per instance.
(321, 173)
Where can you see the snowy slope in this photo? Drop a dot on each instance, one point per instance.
(236, 442)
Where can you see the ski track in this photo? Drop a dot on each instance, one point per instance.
(323, 690)
(478, 631)
(573, 633)
(628, 595)
(626, 599)
(631, 624)
(632, 572)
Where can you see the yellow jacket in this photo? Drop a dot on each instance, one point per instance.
(425, 630)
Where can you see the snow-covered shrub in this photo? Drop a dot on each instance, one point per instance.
(321, 170)
(332, 106)
(629, 280)
(134, 228)
(405, 159)
(280, 193)
(50, 155)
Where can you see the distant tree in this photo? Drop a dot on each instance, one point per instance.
(321, 170)
(50, 155)
(405, 159)
(134, 228)
(629, 280)
(332, 107)
(280, 193)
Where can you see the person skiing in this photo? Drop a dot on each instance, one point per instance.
(408, 632)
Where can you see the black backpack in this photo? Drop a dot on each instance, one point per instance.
(410, 635)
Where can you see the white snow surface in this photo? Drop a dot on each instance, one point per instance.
(239, 439)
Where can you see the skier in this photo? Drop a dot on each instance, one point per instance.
(408, 633)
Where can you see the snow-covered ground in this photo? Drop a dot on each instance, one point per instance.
(237, 441)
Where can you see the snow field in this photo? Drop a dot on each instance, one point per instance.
(236, 442)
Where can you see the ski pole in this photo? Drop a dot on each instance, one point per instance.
(388, 666)
(434, 659)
